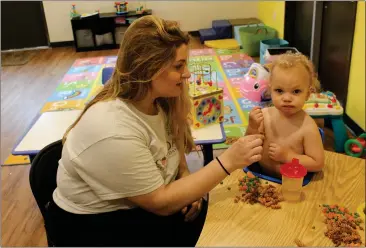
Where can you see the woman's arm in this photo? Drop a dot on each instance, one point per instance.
(183, 168)
(171, 198)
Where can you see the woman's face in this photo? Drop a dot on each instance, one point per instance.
(170, 82)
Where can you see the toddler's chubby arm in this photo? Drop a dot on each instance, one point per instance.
(256, 125)
(313, 157)
(313, 148)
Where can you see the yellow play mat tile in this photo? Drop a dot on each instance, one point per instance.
(17, 160)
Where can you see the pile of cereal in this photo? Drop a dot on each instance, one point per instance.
(342, 225)
(254, 192)
(231, 140)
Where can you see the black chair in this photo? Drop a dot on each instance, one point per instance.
(42, 177)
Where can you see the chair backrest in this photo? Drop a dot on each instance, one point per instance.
(322, 135)
(42, 175)
(106, 74)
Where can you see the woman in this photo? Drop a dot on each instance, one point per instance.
(123, 179)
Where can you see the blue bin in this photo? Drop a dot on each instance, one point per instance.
(271, 43)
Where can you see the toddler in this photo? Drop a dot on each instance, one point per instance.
(289, 131)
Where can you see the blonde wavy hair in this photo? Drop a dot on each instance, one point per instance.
(149, 47)
(289, 60)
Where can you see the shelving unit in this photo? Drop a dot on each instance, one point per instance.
(98, 32)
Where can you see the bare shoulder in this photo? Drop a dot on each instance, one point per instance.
(310, 125)
(268, 110)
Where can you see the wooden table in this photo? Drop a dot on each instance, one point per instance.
(239, 224)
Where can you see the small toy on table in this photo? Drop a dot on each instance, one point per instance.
(140, 10)
(121, 7)
(322, 104)
(325, 105)
(206, 96)
(356, 147)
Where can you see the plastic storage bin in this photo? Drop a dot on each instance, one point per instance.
(272, 53)
(271, 43)
(84, 38)
(252, 35)
(236, 30)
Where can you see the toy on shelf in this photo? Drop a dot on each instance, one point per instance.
(140, 9)
(356, 147)
(255, 85)
(206, 96)
(73, 12)
(121, 7)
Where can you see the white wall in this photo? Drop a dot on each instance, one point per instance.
(192, 15)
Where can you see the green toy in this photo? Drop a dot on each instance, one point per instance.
(356, 147)
(73, 12)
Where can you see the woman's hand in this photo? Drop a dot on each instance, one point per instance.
(244, 152)
(192, 211)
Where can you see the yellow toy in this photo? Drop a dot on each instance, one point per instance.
(206, 96)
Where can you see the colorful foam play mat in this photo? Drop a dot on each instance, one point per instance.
(227, 69)
(83, 81)
(17, 160)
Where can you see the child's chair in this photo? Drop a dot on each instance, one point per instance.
(256, 169)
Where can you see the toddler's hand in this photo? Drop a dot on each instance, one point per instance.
(256, 118)
(277, 152)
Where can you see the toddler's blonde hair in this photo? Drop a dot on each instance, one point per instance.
(289, 60)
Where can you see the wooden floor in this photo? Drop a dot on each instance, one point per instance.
(24, 90)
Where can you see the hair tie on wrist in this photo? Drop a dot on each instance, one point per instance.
(222, 166)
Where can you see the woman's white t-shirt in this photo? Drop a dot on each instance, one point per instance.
(115, 151)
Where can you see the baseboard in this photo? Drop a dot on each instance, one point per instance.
(194, 33)
(62, 43)
(352, 125)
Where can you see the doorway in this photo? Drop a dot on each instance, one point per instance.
(335, 53)
(23, 25)
(324, 31)
(298, 25)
